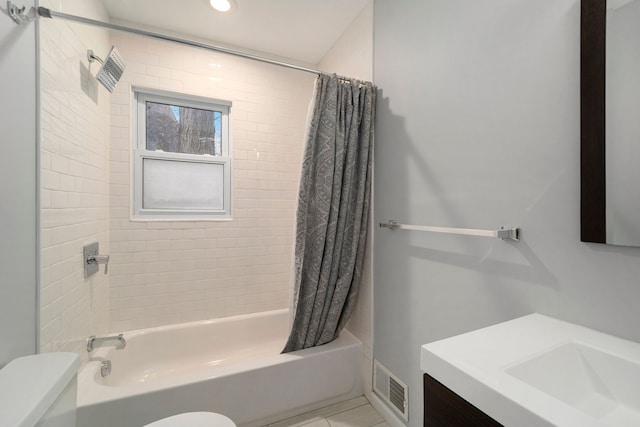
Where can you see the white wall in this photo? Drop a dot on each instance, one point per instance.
(352, 56)
(18, 186)
(165, 272)
(478, 126)
(74, 181)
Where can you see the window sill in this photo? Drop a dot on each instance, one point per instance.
(178, 218)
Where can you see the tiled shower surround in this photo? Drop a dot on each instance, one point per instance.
(161, 272)
(74, 184)
(167, 272)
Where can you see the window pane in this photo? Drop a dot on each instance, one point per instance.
(177, 129)
(169, 184)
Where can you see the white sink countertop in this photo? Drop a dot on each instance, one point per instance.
(540, 371)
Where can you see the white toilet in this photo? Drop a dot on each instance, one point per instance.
(39, 389)
(194, 419)
(42, 389)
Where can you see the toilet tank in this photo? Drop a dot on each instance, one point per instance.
(39, 390)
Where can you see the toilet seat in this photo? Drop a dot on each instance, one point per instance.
(194, 419)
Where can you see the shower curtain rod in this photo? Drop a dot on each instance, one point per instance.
(48, 13)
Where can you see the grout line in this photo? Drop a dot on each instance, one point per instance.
(347, 410)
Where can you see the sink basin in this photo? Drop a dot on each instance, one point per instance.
(540, 371)
(599, 384)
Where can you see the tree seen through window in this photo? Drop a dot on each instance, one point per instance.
(178, 129)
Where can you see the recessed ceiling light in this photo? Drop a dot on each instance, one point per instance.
(222, 5)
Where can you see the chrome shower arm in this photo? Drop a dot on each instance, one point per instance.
(93, 57)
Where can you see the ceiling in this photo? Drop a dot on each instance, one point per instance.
(301, 30)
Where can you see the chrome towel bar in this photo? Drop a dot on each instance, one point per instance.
(503, 233)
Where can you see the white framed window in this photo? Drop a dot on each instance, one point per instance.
(181, 157)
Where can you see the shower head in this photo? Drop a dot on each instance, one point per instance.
(111, 69)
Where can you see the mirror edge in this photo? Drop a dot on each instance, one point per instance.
(592, 121)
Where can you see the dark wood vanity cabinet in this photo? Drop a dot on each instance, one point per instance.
(444, 408)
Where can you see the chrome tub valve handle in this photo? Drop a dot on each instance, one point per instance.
(99, 259)
(93, 259)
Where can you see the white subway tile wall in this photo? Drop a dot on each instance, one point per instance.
(165, 272)
(74, 188)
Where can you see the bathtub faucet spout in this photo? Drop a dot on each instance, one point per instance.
(94, 342)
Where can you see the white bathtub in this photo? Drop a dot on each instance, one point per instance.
(231, 366)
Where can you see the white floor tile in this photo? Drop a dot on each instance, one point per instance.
(320, 423)
(301, 420)
(321, 413)
(362, 416)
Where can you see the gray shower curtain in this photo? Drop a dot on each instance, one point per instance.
(333, 210)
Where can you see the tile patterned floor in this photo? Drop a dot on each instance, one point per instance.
(356, 412)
